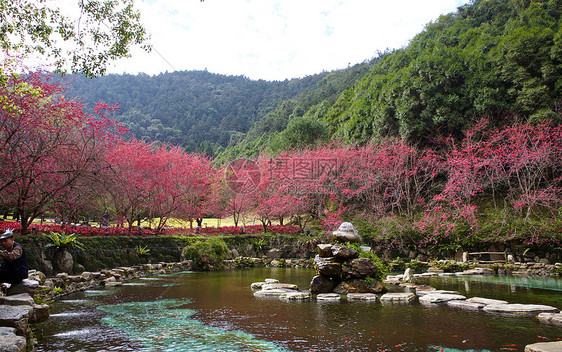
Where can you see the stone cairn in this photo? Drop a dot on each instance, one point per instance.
(340, 270)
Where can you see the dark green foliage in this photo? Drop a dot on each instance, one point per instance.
(312, 105)
(382, 267)
(301, 132)
(207, 254)
(491, 58)
(198, 110)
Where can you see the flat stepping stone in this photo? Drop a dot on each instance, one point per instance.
(463, 304)
(447, 274)
(468, 272)
(425, 289)
(20, 299)
(398, 297)
(272, 293)
(257, 285)
(517, 308)
(328, 297)
(486, 301)
(367, 297)
(430, 274)
(436, 292)
(271, 281)
(408, 285)
(295, 296)
(7, 331)
(440, 298)
(26, 286)
(544, 347)
(550, 318)
(15, 317)
(279, 286)
(13, 343)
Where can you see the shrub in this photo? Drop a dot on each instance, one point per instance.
(382, 268)
(207, 255)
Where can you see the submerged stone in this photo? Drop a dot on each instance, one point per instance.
(171, 328)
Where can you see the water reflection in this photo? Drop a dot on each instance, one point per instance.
(218, 309)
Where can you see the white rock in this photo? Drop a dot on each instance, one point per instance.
(544, 347)
(271, 281)
(486, 301)
(517, 308)
(279, 286)
(369, 297)
(440, 298)
(328, 297)
(295, 296)
(550, 318)
(398, 297)
(20, 299)
(408, 275)
(429, 274)
(257, 285)
(273, 292)
(465, 305)
(436, 292)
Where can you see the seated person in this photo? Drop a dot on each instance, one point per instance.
(14, 266)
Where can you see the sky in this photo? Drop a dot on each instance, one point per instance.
(275, 39)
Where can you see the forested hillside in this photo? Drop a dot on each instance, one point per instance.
(499, 59)
(492, 58)
(195, 109)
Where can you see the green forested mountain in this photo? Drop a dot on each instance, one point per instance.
(286, 126)
(500, 59)
(196, 109)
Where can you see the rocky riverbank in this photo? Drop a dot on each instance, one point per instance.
(23, 304)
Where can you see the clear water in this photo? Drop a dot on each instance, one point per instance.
(216, 311)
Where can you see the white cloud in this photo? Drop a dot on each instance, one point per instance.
(275, 39)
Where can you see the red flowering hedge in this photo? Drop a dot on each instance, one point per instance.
(123, 231)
